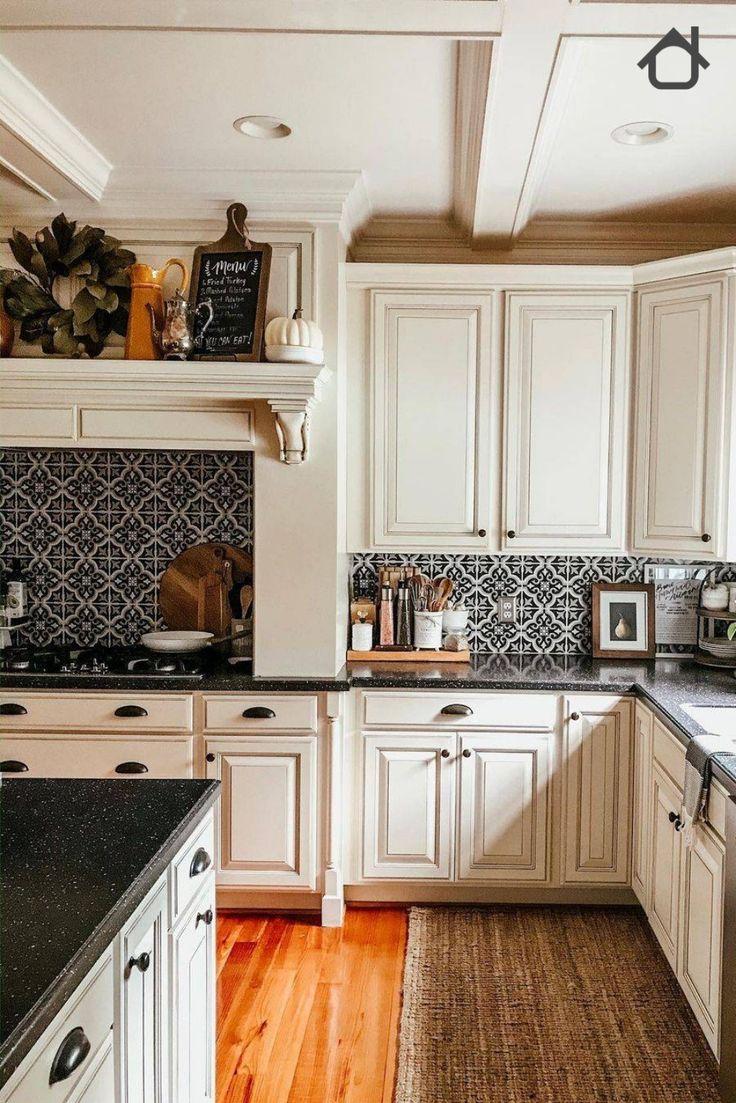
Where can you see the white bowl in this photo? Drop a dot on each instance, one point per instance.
(176, 641)
(294, 354)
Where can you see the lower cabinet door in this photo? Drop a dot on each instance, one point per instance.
(664, 874)
(143, 981)
(193, 981)
(640, 849)
(267, 811)
(99, 1085)
(503, 807)
(408, 805)
(597, 790)
(701, 930)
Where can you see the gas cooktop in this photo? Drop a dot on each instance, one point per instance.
(99, 661)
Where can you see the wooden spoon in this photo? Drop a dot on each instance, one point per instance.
(442, 590)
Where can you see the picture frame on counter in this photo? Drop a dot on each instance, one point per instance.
(623, 620)
(676, 599)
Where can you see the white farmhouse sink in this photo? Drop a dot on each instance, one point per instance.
(715, 719)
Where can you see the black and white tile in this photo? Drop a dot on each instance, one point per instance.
(95, 531)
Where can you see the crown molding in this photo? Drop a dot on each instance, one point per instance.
(33, 121)
(474, 74)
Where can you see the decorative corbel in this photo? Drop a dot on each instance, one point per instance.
(292, 428)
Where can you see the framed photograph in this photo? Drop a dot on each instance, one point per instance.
(676, 596)
(623, 620)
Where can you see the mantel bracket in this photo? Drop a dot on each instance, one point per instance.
(292, 428)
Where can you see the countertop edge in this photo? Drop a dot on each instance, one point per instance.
(19, 1043)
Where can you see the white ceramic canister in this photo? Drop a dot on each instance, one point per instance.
(362, 636)
(427, 630)
(454, 621)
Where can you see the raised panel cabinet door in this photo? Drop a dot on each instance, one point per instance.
(503, 807)
(640, 849)
(701, 930)
(597, 789)
(193, 985)
(267, 811)
(143, 986)
(98, 1086)
(664, 878)
(567, 377)
(408, 805)
(678, 463)
(431, 424)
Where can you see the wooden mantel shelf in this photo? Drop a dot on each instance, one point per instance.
(154, 403)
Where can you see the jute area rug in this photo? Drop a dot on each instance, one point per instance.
(555, 1005)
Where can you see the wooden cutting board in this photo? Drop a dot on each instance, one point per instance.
(200, 588)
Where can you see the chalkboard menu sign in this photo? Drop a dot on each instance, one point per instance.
(232, 274)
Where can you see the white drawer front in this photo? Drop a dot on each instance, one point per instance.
(194, 863)
(128, 711)
(105, 757)
(506, 711)
(277, 712)
(668, 753)
(91, 1008)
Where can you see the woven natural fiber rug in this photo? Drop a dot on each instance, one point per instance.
(555, 1005)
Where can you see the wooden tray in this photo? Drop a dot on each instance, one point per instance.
(408, 657)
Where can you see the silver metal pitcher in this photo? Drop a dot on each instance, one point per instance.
(175, 339)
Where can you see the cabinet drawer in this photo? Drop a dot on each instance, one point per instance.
(278, 712)
(192, 866)
(51, 756)
(527, 711)
(668, 753)
(91, 1008)
(95, 711)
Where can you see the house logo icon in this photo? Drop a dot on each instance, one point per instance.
(674, 38)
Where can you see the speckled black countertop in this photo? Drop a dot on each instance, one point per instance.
(221, 677)
(77, 858)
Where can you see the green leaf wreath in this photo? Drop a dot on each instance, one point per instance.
(98, 309)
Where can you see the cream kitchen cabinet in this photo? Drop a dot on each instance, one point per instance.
(666, 843)
(701, 930)
(193, 986)
(431, 463)
(268, 809)
(597, 789)
(566, 403)
(682, 440)
(640, 849)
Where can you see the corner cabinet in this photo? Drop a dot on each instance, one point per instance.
(566, 400)
(682, 435)
(431, 419)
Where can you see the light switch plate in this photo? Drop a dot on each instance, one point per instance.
(507, 610)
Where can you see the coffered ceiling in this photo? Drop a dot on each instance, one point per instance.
(458, 129)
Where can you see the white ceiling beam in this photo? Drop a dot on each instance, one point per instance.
(715, 19)
(455, 18)
(36, 138)
(474, 68)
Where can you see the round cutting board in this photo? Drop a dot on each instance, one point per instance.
(179, 594)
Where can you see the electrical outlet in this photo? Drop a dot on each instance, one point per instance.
(507, 610)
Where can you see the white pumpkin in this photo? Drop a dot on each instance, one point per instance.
(294, 340)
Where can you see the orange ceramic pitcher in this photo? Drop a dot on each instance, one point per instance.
(146, 290)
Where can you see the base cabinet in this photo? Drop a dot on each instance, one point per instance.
(666, 842)
(193, 983)
(642, 751)
(701, 930)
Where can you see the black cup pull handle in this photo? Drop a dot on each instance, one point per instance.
(12, 708)
(131, 710)
(259, 712)
(131, 768)
(204, 917)
(200, 862)
(456, 710)
(69, 1056)
(141, 962)
(13, 766)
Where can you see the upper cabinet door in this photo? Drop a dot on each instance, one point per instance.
(679, 478)
(566, 399)
(431, 427)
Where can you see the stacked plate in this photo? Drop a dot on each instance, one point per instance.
(722, 649)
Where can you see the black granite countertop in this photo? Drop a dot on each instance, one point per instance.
(221, 677)
(77, 858)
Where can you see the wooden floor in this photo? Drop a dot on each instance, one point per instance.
(308, 1014)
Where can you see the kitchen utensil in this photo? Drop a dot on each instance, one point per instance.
(147, 301)
(246, 600)
(179, 592)
(177, 642)
(441, 593)
(175, 337)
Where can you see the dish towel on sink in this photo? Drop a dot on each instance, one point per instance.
(698, 760)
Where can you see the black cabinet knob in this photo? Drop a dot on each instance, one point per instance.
(69, 1055)
(259, 712)
(511, 534)
(12, 708)
(445, 753)
(467, 753)
(204, 917)
(141, 962)
(482, 532)
(131, 710)
(456, 710)
(200, 862)
(675, 819)
(574, 715)
(131, 768)
(13, 766)
(209, 756)
(706, 538)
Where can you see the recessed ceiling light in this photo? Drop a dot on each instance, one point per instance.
(262, 126)
(642, 134)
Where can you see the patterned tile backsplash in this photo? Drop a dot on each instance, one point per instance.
(553, 594)
(95, 530)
